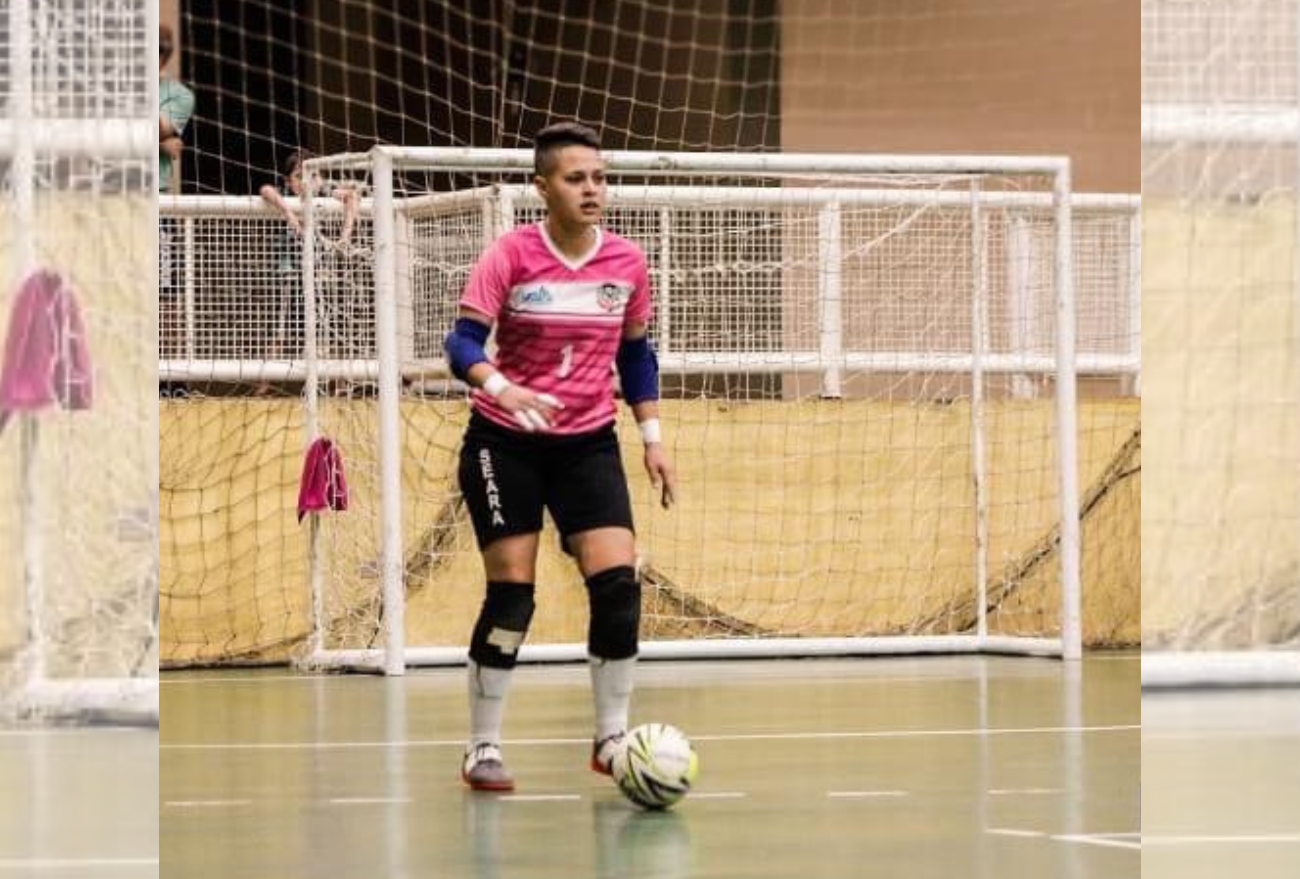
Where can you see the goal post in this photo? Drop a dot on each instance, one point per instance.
(78, 636)
(888, 311)
(1221, 515)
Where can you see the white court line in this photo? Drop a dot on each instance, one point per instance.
(1245, 839)
(75, 863)
(539, 798)
(177, 682)
(864, 794)
(739, 737)
(1106, 840)
(659, 664)
(917, 733)
(68, 732)
(1259, 730)
(367, 801)
(1109, 840)
(719, 795)
(205, 804)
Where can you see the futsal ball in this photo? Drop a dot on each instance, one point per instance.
(657, 766)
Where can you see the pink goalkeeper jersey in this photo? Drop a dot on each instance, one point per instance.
(559, 321)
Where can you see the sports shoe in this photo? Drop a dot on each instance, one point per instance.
(483, 769)
(604, 750)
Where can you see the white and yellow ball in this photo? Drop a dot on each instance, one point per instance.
(656, 767)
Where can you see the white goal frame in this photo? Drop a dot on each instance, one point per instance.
(379, 166)
(23, 136)
(1247, 125)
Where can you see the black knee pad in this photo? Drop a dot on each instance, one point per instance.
(502, 624)
(615, 613)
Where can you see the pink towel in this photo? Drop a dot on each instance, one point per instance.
(323, 484)
(46, 358)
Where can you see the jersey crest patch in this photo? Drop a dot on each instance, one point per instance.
(611, 296)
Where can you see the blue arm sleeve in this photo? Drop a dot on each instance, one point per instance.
(464, 346)
(638, 370)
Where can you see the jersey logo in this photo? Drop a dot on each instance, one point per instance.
(611, 296)
(531, 296)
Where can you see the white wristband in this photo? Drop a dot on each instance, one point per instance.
(496, 385)
(650, 431)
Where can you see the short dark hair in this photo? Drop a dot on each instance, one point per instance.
(552, 138)
(294, 162)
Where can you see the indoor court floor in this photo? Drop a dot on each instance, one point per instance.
(1221, 784)
(78, 803)
(888, 767)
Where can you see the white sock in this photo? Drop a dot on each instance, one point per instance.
(487, 702)
(611, 684)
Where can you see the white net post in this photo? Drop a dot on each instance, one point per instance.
(923, 197)
(1067, 407)
(830, 239)
(22, 183)
(1221, 518)
(979, 457)
(79, 212)
(311, 398)
(390, 422)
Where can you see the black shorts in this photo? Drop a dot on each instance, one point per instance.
(507, 477)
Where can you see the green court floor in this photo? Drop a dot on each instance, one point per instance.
(78, 803)
(943, 767)
(1221, 785)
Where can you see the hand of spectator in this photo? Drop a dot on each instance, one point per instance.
(348, 196)
(173, 146)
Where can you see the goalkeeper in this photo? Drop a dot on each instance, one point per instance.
(569, 301)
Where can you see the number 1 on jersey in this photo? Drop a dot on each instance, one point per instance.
(566, 361)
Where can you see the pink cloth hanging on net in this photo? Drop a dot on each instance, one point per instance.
(323, 485)
(46, 356)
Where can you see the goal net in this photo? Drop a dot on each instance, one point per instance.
(862, 377)
(78, 584)
(862, 387)
(1221, 514)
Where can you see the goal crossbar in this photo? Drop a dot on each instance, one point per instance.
(647, 162)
